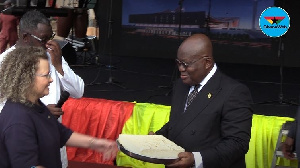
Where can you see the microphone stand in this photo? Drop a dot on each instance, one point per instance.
(281, 56)
(175, 71)
(179, 23)
(208, 18)
(109, 40)
(280, 100)
(111, 79)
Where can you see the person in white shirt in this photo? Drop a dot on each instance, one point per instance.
(35, 30)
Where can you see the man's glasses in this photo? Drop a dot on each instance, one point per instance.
(186, 65)
(43, 41)
(48, 76)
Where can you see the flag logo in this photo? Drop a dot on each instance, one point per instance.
(274, 21)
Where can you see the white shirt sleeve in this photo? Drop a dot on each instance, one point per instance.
(71, 82)
(198, 160)
(2, 105)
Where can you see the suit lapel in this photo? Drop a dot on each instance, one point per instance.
(179, 99)
(202, 100)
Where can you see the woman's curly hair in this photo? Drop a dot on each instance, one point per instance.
(17, 73)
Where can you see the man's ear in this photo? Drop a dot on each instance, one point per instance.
(208, 62)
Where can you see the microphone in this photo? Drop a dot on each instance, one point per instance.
(63, 98)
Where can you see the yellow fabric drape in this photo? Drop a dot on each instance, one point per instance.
(145, 117)
(264, 135)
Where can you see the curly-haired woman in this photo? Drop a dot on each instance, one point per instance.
(30, 136)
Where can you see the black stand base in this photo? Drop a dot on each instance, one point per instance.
(280, 102)
(111, 80)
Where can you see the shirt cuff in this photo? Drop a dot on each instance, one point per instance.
(198, 160)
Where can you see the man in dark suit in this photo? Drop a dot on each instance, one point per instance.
(292, 143)
(215, 127)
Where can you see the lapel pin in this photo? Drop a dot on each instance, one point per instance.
(209, 95)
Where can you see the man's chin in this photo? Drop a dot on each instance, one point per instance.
(186, 81)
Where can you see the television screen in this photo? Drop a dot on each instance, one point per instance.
(155, 28)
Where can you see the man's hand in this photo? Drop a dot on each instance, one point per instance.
(287, 148)
(185, 160)
(55, 52)
(56, 111)
(151, 133)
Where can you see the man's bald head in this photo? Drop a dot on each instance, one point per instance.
(197, 44)
(195, 58)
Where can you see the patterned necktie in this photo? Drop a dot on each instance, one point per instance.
(192, 95)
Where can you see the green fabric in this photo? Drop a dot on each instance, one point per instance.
(145, 118)
(264, 135)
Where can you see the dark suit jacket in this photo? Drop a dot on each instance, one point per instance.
(294, 132)
(217, 123)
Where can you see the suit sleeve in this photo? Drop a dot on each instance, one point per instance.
(163, 131)
(293, 127)
(292, 130)
(236, 121)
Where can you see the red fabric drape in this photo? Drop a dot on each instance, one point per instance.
(96, 117)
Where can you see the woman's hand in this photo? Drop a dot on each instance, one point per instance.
(108, 148)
